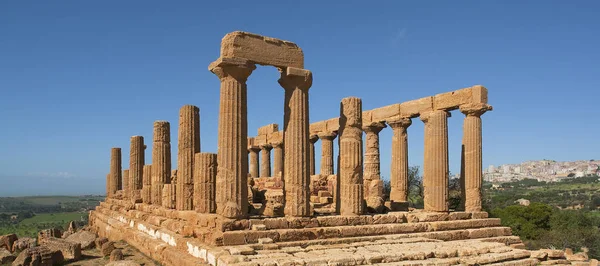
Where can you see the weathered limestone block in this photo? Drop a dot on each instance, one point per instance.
(115, 171)
(296, 171)
(399, 164)
(472, 155)
(47, 233)
(169, 193)
(7, 241)
(161, 159)
(107, 248)
(415, 107)
(327, 152)
(265, 160)
(69, 250)
(435, 165)
(6, 257)
(268, 129)
(205, 174)
(147, 187)
(273, 203)
(351, 173)
(373, 185)
(232, 156)
(261, 50)
(99, 242)
(84, 238)
(188, 145)
(254, 165)
(383, 113)
(116, 255)
(23, 243)
(40, 255)
(136, 166)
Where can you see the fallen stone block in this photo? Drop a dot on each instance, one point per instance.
(6, 241)
(40, 255)
(69, 250)
(85, 238)
(23, 243)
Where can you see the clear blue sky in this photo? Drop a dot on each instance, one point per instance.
(79, 77)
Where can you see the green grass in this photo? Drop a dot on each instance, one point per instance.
(54, 217)
(54, 200)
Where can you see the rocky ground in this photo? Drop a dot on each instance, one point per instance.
(93, 257)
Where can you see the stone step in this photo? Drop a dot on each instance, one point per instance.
(242, 237)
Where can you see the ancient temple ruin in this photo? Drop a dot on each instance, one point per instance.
(229, 208)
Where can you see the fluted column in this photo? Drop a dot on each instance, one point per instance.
(373, 185)
(327, 152)
(278, 159)
(312, 139)
(253, 153)
(435, 165)
(161, 159)
(125, 183)
(399, 164)
(115, 171)
(205, 174)
(265, 160)
(136, 167)
(232, 156)
(147, 188)
(472, 154)
(351, 162)
(188, 144)
(296, 168)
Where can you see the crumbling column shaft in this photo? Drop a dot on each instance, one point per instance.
(435, 165)
(351, 162)
(205, 174)
(161, 159)
(188, 145)
(232, 156)
(472, 150)
(399, 165)
(296, 168)
(253, 153)
(115, 171)
(327, 153)
(265, 161)
(373, 185)
(136, 167)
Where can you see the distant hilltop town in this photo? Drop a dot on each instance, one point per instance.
(544, 170)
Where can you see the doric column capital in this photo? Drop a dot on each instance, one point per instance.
(374, 127)
(236, 68)
(426, 115)
(278, 144)
(475, 109)
(400, 122)
(253, 148)
(327, 135)
(267, 147)
(313, 138)
(292, 78)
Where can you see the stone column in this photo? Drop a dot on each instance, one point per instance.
(399, 165)
(278, 159)
(126, 183)
(327, 152)
(161, 159)
(312, 139)
(108, 185)
(147, 188)
(296, 168)
(472, 171)
(136, 167)
(205, 174)
(188, 144)
(351, 158)
(265, 160)
(253, 151)
(435, 165)
(232, 155)
(115, 171)
(373, 185)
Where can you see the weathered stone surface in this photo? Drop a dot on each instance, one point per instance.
(68, 249)
(85, 238)
(205, 174)
(278, 159)
(415, 107)
(253, 157)
(327, 152)
(6, 241)
(126, 182)
(399, 163)
(147, 187)
(296, 169)
(107, 248)
(99, 242)
(261, 50)
(372, 183)
(115, 171)
(23, 243)
(435, 164)
(46, 233)
(232, 156)
(268, 129)
(38, 256)
(6, 257)
(161, 159)
(265, 160)
(188, 144)
(116, 255)
(136, 166)
(351, 200)
(123, 263)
